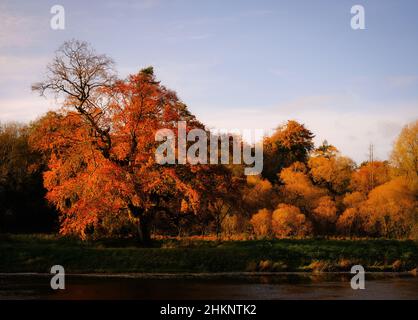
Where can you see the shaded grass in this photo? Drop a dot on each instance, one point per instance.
(37, 253)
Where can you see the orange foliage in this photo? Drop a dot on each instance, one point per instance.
(291, 142)
(87, 180)
(332, 172)
(102, 170)
(261, 223)
(405, 154)
(369, 176)
(258, 194)
(287, 220)
(391, 209)
(325, 213)
(351, 221)
(298, 189)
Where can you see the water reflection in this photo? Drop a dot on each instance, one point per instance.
(226, 286)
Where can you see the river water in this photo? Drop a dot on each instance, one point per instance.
(222, 286)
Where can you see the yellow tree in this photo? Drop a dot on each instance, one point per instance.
(369, 176)
(298, 189)
(331, 170)
(405, 154)
(325, 215)
(288, 221)
(391, 209)
(257, 194)
(351, 220)
(261, 223)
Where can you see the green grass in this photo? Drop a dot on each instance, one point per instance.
(37, 253)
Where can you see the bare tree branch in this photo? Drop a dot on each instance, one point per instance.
(78, 74)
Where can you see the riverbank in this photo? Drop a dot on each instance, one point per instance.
(37, 253)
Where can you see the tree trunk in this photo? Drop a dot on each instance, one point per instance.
(218, 227)
(144, 234)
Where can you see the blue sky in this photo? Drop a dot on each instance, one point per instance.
(238, 64)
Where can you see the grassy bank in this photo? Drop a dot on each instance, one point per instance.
(37, 253)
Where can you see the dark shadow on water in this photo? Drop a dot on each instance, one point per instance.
(248, 286)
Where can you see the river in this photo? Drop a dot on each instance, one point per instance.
(222, 286)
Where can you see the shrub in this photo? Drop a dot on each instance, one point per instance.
(261, 223)
(287, 220)
(325, 214)
(232, 226)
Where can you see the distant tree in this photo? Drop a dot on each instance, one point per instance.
(261, 223)
(325, 215)
(331, 170)
(288, 221)
(325, 150)
(298, 189)
(369, 176)
(405, 154)
(351, 221)
(22, 204)
(291, 142)
(233, 225)
(223, 195)
(391, 209)
(258, 194)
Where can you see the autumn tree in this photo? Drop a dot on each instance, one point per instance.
(325, 215)
(298, 189)
(261, 223)
(222, 194)
(258, 193)
(351, 221)
(288, 221)
(233, 226)
(369, 176)
(290, 143)
(391, 209)
(326, 150)
(405, 154)
(102, 143)
(331, 170)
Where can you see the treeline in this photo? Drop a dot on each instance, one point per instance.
(93, 161)
(23, 207)
(304, 191)
(323, 193)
